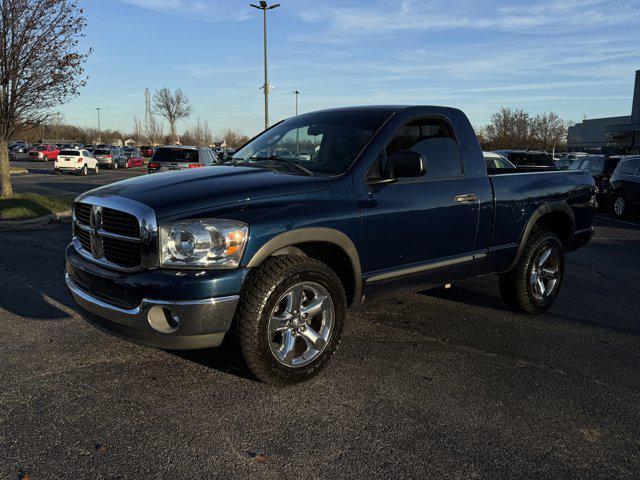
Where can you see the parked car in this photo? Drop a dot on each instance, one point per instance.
(12, 156)
(107, 157)
(625, 187)
(398, 199)
(528, 158)
(19, 147)
(79, 162)
(44, 152)
(146, 151)
(180, 158)
(600, 168)
(567, 159)
(130, 158)
(494, 160)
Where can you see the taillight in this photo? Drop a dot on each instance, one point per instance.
(107, 156)
(195, 165)
(153, 165)
(79, 160)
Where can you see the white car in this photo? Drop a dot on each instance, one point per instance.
(76, 161)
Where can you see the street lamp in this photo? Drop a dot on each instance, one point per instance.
(99, 132)
(296, 93)
(264, 7)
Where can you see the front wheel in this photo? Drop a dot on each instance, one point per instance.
(290, 318)
(620, 205)
(533, 284)
(96, 169)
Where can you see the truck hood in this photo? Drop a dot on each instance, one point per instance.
(174, 193)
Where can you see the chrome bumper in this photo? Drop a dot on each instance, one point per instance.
(200, 323)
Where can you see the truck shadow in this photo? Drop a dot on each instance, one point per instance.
(226, 358)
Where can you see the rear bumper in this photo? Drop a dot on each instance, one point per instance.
(201, 323)
(64, 168)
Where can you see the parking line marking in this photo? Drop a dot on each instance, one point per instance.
(619, 221)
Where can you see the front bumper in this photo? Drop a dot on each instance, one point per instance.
(201, 323)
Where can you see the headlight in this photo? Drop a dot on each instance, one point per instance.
(202, 244)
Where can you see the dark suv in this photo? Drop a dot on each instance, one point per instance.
(625, 187)
(600, 168)
(180, 158)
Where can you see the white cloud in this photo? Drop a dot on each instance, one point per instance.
(419, 15)
(204, 10)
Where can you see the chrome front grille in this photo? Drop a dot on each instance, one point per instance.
(107, 236)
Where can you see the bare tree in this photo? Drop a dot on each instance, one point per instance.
(199, 134)
(172, 106)
(549, 131)
(138, 130)
(41, 66)
(154, 130)
(234, 139)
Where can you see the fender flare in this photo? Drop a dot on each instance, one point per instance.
(535, 216)
(314, 234)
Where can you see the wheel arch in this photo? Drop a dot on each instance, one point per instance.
(325, 244)
(557, 217)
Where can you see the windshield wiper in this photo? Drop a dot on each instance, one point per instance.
(274, 160)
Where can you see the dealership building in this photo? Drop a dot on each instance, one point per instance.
(611, 135)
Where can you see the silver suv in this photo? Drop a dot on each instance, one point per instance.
(180, 158)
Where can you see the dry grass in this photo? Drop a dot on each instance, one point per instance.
(23, 206)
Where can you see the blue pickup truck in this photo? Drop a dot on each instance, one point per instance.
(311, 217)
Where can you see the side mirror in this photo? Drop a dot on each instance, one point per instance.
(406, 163)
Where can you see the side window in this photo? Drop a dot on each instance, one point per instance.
(630, 167)
(433, 138)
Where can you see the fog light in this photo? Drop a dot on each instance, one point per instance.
(163, 320)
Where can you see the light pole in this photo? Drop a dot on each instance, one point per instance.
(264, 7)
(99, 131)
(296, 93)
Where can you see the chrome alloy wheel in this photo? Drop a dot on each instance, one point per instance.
(545, 273)
(301, 324)
(618, 205)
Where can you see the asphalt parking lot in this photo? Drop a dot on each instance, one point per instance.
(440, 384)
(42, 179)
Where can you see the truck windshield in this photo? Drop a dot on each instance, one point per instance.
(324, 143)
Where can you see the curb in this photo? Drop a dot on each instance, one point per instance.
(34, 223)
(19, 172)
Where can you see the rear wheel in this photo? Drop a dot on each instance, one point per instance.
(115, 166)
(620, 205)
(84, 171)
(534, 283)
(290, 318)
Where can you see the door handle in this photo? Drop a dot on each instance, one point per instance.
(466, 198)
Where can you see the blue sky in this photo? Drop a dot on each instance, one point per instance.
(574, 57)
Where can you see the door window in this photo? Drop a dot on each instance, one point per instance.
(630, 167)
(433, 137)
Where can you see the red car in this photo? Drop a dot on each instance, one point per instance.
(135, 162)
(146, 151)
(44, 152)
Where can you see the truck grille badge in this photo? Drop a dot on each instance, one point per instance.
(95, 224)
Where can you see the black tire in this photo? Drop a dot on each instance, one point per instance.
(96, 169)
(517, 286)
(619, 205)
(85, 171)
(262, 290)
(57, 172)
(115, 166)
